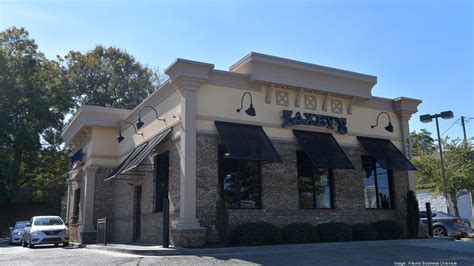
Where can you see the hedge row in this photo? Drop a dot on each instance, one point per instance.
(262, 233)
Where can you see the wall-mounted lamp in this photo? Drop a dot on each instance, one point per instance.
(120, 138)
(140, 122)
(389, 127)
(250, 111)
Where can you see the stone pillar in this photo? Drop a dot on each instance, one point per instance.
(187, 210)
(69, 198)
(405, 134)
(404, 108)
(87, 228)
(188, 76)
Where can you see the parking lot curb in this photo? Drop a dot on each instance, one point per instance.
(77, 245)
(176, 251)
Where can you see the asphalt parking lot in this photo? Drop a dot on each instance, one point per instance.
(439, 253)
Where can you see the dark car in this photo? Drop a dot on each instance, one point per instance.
(447, 225)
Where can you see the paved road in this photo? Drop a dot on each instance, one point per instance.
(460, 252)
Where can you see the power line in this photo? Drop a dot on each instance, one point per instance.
(457, 120)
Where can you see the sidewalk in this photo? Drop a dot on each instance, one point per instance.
(176, 251)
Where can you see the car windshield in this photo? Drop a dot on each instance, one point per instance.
(20, 225)
(48, 221)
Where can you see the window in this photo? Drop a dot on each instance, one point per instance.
(77, 201)
(161, 179)
(314, 184)
(239, 181)
(377, 185)
(48, 221)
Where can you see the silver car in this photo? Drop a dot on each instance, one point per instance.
(447, 225)
(16, 233)
(45, 230)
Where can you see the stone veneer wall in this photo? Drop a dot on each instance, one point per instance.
(280, 190)
(104, 199)
(122, 205)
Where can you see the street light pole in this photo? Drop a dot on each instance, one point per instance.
(445, 184)
(426, 119)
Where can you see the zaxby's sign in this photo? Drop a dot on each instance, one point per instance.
(329, 122)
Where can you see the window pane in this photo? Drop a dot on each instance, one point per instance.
(306, 200)
(231, 190)
(304, 164)
(240, 181)
(370, 191)
(322, 196)
(249, 184)
(305, 184)
(384, 198)
(376, 185)
(321, 177)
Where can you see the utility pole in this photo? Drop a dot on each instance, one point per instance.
(465, 143)
(463, 128)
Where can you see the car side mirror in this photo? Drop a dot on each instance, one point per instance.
(10, 228)
(28, 225)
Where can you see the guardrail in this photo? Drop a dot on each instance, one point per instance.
(102, 231)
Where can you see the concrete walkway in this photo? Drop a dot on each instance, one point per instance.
(177, 251)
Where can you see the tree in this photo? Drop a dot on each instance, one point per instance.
(33, 101)
(459, 169)
(109, 77)
(422, 143)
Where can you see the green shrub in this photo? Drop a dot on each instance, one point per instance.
(361, 232)
(222, 220)
(335, 232)
(413, 214)
(257, 233)
(300, 233)
(388, 229)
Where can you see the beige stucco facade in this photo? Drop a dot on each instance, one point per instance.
(191, 100)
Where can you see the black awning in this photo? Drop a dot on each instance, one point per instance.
(247, 142)
(386, 154)
(138, 154)
(323, 150)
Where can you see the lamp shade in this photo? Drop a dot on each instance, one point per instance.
(250, 111)
(426, 118)
(139, 123)
(447, 114)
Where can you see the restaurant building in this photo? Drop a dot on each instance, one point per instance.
(282, 141)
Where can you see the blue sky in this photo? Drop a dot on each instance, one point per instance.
(417, 49)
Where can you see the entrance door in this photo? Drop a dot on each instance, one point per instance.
(137, 214)
(162, 201)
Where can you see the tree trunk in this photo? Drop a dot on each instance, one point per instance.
(454, 199)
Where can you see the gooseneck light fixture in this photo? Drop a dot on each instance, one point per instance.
(250, 111)
(120, 138)
(140, 122)
(426, 119)
(389, 127)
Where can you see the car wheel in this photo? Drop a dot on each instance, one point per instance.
(439, 231)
